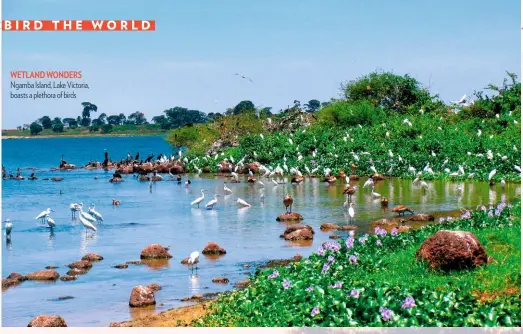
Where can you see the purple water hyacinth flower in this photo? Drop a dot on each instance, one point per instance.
(380, 232)
(331, 245)
(449, 218)
(466, 215)
(337, 285)
(315, 311)
(321, 251)
(362, 240)
(349, 242)
(274, 274)
(497, 212)
(309, 289)
(501, 206)
(441, 220)
(378, 242)
(326, 267)
(408, 303)
(483, 208)
(355, 293)
(353, 259)
(286, 284)
(386, 314)
(490, 213)
(394, 231)
(331, 259)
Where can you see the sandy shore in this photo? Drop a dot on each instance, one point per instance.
(176, 317)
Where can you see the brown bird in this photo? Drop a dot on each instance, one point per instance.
(330, 179)
(353, 166)
(342, 174)
(251, 179)
(297, 179)
(349, 191)
(116, 202)
(384, 202)
(401, 209)
(287, 201)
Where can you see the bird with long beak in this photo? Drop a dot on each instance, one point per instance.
(287, 201)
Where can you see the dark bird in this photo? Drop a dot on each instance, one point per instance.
(243, 77)
(287, 201)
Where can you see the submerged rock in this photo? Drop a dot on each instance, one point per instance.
(213, 248)
(421, 217)
(347, 228)
(155, 251)
(121, 266)
(334, 236)
(223, 280)
(44, 275)
(67, 278)
(242, 284)
(51, 267)
(155, 287)
(136, 263)
(47, 321)
(448, 250)
(77, 271)
(289, 216)
(142, 296)
(93, 257)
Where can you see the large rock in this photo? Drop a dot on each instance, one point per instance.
(44, 275)
(253, 166)
(92, 257)
(452, 250)
(328, 227)
(304, 232)
(82, 264)
(223, 280)
(289, 216)
(47, 321)
(142, 296)
(154, 286)
(77, 271)
(212, 248)
(16, 277)
(155, 251)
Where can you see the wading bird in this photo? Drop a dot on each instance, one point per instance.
(226, 190)
(95, 213)
(212, 202)
(401, 209)
(194, 258)
(375, 194)
(86, 215)
(8, 228)
(351, 210)
(75, 207)
(199, 199)
(87, 224)
(242, 202)
(43, 214)
(349, 191)
(50, 221)
(287, 201)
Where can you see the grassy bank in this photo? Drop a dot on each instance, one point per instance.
(119, 130)
(376, 281)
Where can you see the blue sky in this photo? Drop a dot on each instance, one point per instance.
(291, 49)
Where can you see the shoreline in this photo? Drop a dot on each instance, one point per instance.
(85, 135)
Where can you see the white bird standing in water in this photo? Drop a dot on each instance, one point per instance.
(491, 174)
(375, 194)
(351, 211)
(95, 213)
(87, 224)
(242, 202)
(503, 183)
(199, 199)
(262, 196)
(194, 258)
(43, 214)
(212, 202)
(424, 186)
(50, 221)
(75, 207)
(86, 215)
(226, 190)
(368, 183)
(8, 228)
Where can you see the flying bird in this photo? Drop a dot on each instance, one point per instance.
(244, 77)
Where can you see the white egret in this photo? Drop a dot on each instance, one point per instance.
(194, 258)
(491, 174)
(87, 224)
(199, 199)
(368, 183)
(375, 194)
(471, 175)
(95, 213)
(351, 210)
(424, 186)
(262, 197)
(275, 183)
(43, 214)
(517, 168)
(242, 202)
(86, 215)
(261, 183)
(235, 176)
(8, 227)
(75, 207)
(212, 202)
(226, 190)
(50, 221)
(502, 182)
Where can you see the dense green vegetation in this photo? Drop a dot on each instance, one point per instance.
(127, 129)
(387, 118)
(376, 281)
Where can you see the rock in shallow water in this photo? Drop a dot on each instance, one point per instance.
(121, 266)
(304, 232)
(67, 278)
(92, 257)
(47, 321)
(448, 250)
(213, 248)
(289, 216)
(155, 251)
(82, 264)
(142, 296)
(223, 280)
(328, 227)
(44, 275)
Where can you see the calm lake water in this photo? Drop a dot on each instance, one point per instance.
(163, 215)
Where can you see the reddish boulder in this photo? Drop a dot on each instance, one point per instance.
(67, 278)
(43, 275)
(354, 177)
(185, 261)
(17, 277)
(328, 227)
(242, 284)
(449, 250)
(403, 229)
(155, 251)
(334, 236)
(92, 257)
(82, 264)
(253, 166)
(77, 271)
(289, 216)
(297, 257)
(347, 228)
(212, 248)
(141, 296)
(298, 233)
(378, 177)
(47, 321)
